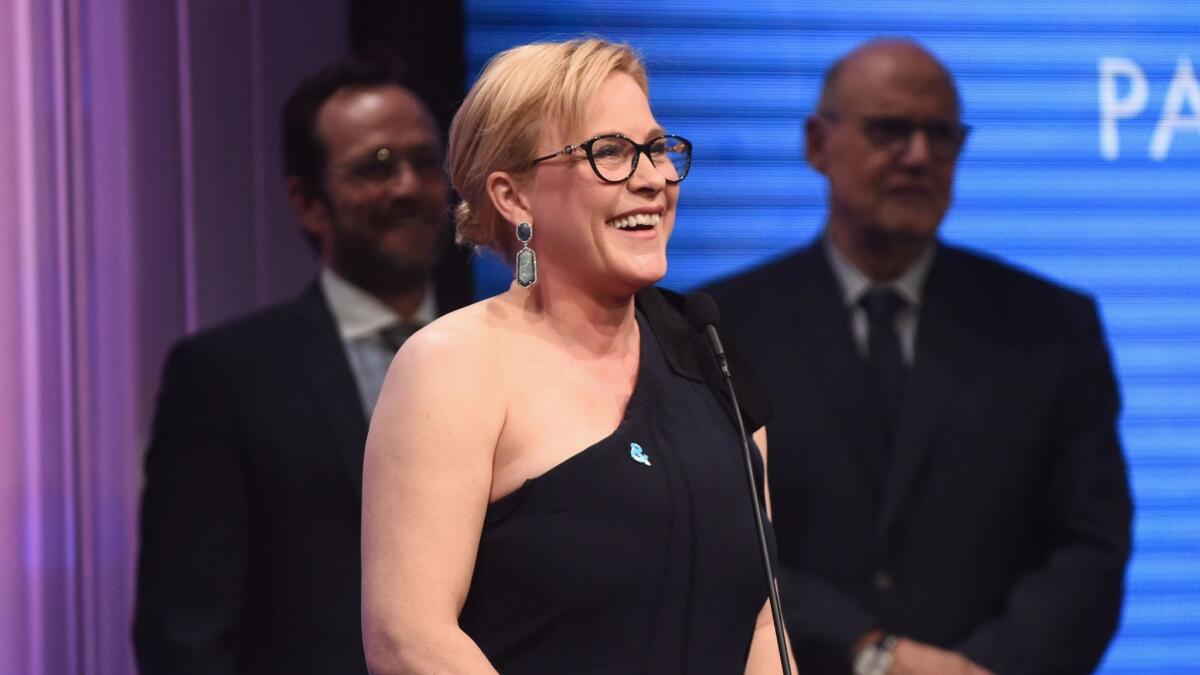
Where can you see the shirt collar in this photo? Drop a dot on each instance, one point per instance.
(855, 284)
(357, 313)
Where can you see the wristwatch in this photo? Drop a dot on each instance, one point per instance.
(876, 659)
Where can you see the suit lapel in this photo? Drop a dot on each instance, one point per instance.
(320, 356)
(826, 347)
(929, 389)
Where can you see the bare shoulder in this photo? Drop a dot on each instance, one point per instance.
(453, 366)
(463, 339)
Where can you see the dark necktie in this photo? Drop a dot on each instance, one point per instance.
(885, 363)
(395, 334)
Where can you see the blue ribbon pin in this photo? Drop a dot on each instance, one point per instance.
(638, 455)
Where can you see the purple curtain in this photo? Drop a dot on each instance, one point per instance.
(140, 199)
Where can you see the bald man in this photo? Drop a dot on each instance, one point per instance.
(949, 490)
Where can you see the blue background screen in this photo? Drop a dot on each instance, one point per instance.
(1083, 166)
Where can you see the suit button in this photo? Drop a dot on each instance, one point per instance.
(882, 581)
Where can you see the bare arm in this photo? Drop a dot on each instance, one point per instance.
(426, 482)
(760, 439)
(764, 650)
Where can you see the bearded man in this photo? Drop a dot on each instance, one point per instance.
(249, 557)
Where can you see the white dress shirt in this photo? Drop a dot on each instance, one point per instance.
(855, 285)
(359, 317)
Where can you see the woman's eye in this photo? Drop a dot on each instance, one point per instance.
(607, 150)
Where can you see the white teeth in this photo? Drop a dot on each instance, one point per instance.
(628, 222)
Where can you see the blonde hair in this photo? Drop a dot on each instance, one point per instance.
(520, 92)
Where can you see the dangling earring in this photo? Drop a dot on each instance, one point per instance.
(526, 258)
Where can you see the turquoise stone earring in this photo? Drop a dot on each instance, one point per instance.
(526, 258)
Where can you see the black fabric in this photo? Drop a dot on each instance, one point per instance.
(1001, 529)
(885, 363)
(249, 559)
(605, 564)
(687, 350)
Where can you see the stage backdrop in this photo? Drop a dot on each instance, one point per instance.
(1084, 166)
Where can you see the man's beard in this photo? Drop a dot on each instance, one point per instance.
(359, 257)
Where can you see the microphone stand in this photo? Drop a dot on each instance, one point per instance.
(714, 342)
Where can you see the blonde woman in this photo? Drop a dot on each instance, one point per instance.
(552, 476)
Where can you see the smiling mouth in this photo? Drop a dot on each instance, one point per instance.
(637, 222)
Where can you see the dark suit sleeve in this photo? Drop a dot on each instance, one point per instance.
(823, 622)
(193, 558)
(1060, 617)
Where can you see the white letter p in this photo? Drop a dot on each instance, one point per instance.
(1113, 108)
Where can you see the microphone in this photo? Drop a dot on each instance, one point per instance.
(702, 313)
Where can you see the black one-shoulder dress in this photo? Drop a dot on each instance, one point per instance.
(636, 555)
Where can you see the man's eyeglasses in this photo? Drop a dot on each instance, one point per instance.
(614, 157)
(893, 134)
(385, 164)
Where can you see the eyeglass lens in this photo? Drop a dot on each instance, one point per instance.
(613, 157)
(944, 138)
(384, 164)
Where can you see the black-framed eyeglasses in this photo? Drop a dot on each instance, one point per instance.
(614, 157)
(384, 164)
(893, 133)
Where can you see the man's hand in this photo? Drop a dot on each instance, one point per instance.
(916, 658)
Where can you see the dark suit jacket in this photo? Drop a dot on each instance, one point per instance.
(999, 527)
(249, 557)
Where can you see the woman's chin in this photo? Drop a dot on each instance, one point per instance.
(644, 273)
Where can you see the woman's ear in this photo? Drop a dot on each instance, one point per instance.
(508, 196)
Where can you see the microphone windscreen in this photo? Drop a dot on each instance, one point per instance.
(701, 310)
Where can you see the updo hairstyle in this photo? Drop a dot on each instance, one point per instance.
(521, 92)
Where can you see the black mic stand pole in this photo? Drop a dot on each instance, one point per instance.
(773, 593)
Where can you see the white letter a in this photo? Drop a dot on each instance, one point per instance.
(1184, 91)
